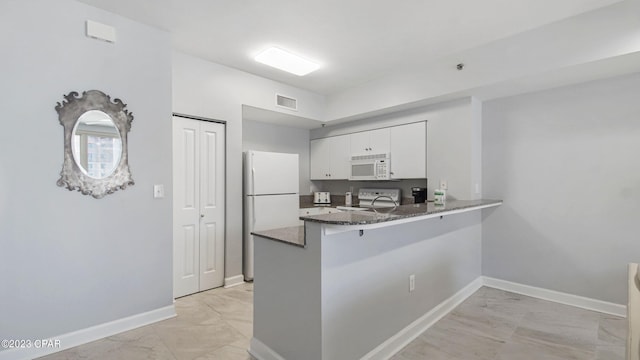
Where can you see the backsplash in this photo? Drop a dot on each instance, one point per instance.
(306, 201)
(339, 187)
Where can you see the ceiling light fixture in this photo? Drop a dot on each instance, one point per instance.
(284, 60)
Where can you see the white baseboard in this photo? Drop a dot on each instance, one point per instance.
(93, 333)
(401, 339)
(556, 296)
(233, 281)
(260, 351)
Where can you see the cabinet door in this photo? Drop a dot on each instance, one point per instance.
(359, 143)
(379, 141)
(340, 157)
(319, 159)
(409, 151)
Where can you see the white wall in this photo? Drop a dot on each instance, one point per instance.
(565, 162)
(69, 261)
(269, 137)
(515, 63)
(453, 145)
(206, 89)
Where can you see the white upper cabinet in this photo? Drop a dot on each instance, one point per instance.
(409, 151)
(370, 142)
(330, 158)
(319, 159)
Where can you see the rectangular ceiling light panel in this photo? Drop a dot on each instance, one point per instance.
(286, 61)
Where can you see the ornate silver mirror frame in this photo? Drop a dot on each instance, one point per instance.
(72, 176)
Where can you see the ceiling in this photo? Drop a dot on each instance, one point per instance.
(356, 41)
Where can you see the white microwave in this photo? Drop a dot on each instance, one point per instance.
(370, 167)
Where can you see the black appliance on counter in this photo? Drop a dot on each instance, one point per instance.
(419, 194)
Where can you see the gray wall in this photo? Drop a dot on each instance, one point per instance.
(358, 287)
(365, 280)
(69, 261)
(565, 162)
(277, 138)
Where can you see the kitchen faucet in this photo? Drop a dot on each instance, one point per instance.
(395, 204)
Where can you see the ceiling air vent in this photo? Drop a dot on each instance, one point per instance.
(286, 102)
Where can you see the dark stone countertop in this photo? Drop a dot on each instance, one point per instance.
(293, 235)
(367, 216)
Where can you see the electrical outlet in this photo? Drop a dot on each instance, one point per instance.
(443, 184)
(412, 282)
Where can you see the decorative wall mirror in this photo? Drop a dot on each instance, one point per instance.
(95, 143)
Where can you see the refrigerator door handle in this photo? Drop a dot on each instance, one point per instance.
(253, 201)
(253, 180)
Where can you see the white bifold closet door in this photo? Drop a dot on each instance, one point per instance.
(198, 205)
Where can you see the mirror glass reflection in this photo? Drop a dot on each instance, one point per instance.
(96, 144)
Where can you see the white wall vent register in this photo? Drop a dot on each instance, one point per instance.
(369, 157)
(286, 102)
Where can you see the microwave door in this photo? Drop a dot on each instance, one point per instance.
(362, 171)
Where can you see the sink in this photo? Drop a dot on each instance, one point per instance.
(350, 208)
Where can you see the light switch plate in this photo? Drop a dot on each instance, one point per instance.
(443, 184)
(158, 191)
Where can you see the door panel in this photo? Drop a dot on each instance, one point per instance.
(379, 141)
(266, 212)
(359, 143)
(340, 157)
(409, 151)
(188, 250)
(319, 159)
(212, 150)
(198, 202)
(275, 211)
(274, 173)
(185, 207)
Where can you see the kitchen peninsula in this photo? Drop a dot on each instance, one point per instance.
(361, 284)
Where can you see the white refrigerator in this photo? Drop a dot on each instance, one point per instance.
(271, 198)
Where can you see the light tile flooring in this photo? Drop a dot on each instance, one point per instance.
(498, 325)
(491, 325)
